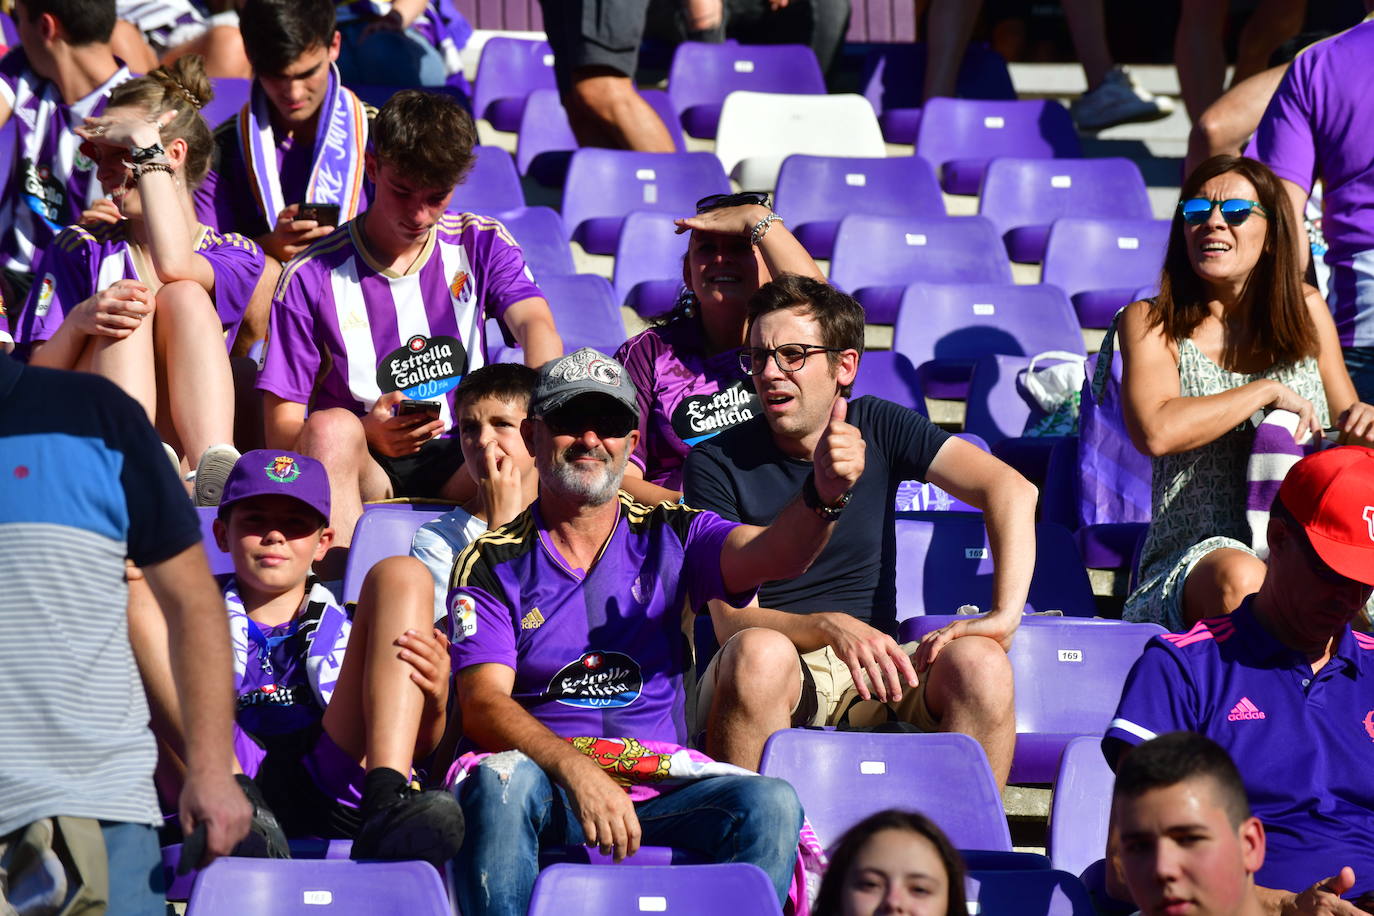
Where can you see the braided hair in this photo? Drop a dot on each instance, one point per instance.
(181, 86)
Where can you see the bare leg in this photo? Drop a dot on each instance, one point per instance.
(128, 363)
(253, 324)
(1219, 582)
(335, 437)
(969, 690)
(1200, 54)
(605, 110)
(127, 43)
(1230, 120)
(702, 15)
(200, 383)
(947, 33)
(757, 685)
(222, 48)
(1088, 26)
(1271, 24)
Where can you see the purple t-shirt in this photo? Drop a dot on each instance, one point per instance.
(685, 395)
(597, 652)
(1304, 742)
(379, 331)
(1320, 125)
(86, 259)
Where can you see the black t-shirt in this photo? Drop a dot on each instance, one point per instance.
(743, 475)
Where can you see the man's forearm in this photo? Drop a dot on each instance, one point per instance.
(498, 723)
(804, 630)
(1010, 519)
(783, 550)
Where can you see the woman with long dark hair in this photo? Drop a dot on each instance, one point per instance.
(893, 862)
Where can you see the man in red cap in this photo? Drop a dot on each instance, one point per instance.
(1287, 688)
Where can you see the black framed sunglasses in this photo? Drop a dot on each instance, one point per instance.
(720, 201)
(788, 357)
(614, 425)
(1235, 210)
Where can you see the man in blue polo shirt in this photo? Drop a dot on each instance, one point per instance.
(1287, 688)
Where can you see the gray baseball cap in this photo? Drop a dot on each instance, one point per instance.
(583, 372)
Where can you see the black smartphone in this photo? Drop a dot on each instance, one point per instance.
(324, 214)
(408, 407)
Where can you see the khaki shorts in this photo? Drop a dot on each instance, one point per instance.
(827, 693)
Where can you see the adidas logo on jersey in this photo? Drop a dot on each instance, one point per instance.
(1244, 710)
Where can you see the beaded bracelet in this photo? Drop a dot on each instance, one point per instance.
(145, 168)
(761, 228)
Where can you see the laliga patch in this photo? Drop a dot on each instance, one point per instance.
(424, 368)
(701, 416)
(45, 294)
(283, 469)
(597, 680)
(462, 617)
(586, 364)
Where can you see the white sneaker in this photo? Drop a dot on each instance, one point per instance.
(212, 471)
(1119, 100)
(172, 456)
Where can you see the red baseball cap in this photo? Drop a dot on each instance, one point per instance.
(1331, 494)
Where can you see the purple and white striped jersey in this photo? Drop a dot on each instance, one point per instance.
(164, 23)
(377, 331)
(441, 24)
(50, 182)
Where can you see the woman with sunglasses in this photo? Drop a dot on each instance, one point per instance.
(1233, 331)
(686, 368)
(141, 292)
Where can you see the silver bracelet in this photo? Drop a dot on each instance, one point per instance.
(761, 228)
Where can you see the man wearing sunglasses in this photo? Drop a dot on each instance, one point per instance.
(818, 649)
(567, 631)
(1287, 688)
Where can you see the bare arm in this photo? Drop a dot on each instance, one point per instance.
(781, 251)
(1321, 899)
(1297, 200)
(283, 421)
(650, 494)
(114, 312)
(531, 323)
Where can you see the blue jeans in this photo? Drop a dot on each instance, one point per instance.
(1359, 362)
(388, 58)
(512, 809)
(137, 887)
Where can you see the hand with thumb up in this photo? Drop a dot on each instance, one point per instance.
(839, 455)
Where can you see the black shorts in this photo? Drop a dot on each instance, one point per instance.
(423, 474)
(301, 806)
(593, 33)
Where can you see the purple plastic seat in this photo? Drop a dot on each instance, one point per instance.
(230, 95)
(945, 328)
(541, 236)
(1081, 806)
(890, 375)
(1104, 545)
(1023, 197)
(278, 887)
(842, 777)
(179, 886)
(923, 496)
(894, 81)
(507, 72)
(960, 136)
(383, 531)
(591, 855)
(702, 75)
(1100, 263)
(877, 257)
(943, 561)
(491, 186)
(9, 34)
(220, 561)
(995, 408)
(1027, 892)
(1069, 675)
(546, 140)
(603, 185)
(585, 310)
(683, 890)
(816, 192)
(648, 262)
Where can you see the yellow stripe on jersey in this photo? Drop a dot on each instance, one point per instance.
(457, 222)
(330, 243)
(514, 533)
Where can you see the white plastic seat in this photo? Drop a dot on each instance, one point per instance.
(758, 130)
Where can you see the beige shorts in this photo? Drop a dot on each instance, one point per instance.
(827, 692)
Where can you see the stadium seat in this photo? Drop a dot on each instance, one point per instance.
(507, 72)
(960, 136)
(877, 257)
(604, 185)
(1100, 263)
(944, 562)
(683, 890)
(383, 531)
(546, 140)
(1022, 197)
(758, 130)
(842, 777)
(9, 35)
(585, 310)
(702, 75)
(283, 887)
(894, 81)
(1000, 860)
(996, 408)
(491, 186)
(648, 262)
(945, 328)
(889, 375)
(230, 95)
(1069, 675)
(924, 496)
(816, 192)
(179, 886)
(1081, 806)
(220, 561)
(541, 236)
(1027, 892)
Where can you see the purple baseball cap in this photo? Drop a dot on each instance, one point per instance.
(272, 472)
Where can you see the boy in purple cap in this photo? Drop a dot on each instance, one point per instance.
(328, 735)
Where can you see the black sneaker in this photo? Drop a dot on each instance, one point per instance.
(265, 839)
(417, 825)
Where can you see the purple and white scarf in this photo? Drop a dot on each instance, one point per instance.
(1272, 456)
(327, 645)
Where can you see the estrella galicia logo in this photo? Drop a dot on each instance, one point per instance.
(597, 680)
(424, 368)
(701, 416)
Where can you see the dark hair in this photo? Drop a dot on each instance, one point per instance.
(512, 382)
(277, 32)
(1177, 757)
(847, 849)
(426, 136)
(1278, 322)
(183, 87)
(85, 21)
(840, 317)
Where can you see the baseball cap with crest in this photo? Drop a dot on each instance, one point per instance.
(1331, 494)
(273, 472)
(582, 372)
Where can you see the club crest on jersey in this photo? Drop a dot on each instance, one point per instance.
(597, 680)
(585, 364)
(424, 368)
(462, 617)
(460, 287)
(283, 469)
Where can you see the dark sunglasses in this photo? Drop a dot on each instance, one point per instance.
(720, 201)
(788, 357)
(1235, 211)
(575, 422)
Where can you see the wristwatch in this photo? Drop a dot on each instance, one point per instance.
(812, 498)
(141, 154)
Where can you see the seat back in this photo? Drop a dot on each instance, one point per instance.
(1081, 806)
(894, 81)
(383, 531)
(842, 777)
(684, 890)
(231, 93)
(816, 192)
(648, 262)
(1027, 892)
(1101, 263)
(508, 70)
(341, 887)
(976, 129)
(540, 233)
(702, 75)
(585, 311)
(545, 141)
(1032, 192)
(491, 186)
(995, 408)
(889, 375)
(758, 130)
